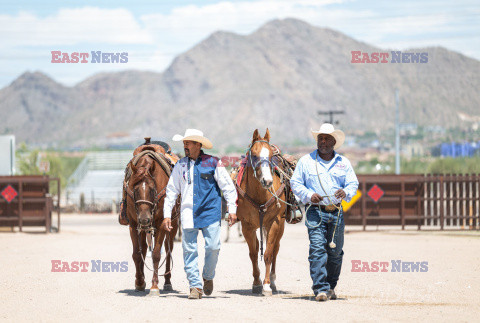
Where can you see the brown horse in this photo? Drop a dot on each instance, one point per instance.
(259, 208)
(145, 198)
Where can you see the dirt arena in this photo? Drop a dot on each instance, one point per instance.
(448, 291)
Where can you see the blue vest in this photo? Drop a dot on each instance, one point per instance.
(207, 200)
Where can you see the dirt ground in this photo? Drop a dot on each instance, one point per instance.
(30, 291)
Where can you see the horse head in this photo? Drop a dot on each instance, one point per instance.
(259, 157)
(144, 191)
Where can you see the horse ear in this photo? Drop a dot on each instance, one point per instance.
(151, 167)
(256, 135)
(133, 167)
(267, 136)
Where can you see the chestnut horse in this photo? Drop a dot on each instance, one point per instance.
(259, 208)
(145, 198)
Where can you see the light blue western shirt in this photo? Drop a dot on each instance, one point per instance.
(334, 175)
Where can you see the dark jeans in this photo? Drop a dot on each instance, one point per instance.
(325, 262)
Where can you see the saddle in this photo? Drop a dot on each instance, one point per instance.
(159, 147)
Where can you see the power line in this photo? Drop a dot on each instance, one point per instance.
(330, 113)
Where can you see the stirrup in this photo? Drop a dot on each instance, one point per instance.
(122, 217)
(292, 217)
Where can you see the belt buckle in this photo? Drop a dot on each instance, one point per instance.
(330, 208)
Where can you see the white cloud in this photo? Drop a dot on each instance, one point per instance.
(154, 39)
(72, 26)
(187, 25)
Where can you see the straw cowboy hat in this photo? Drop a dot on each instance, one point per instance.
(327, 128)
(194, 135)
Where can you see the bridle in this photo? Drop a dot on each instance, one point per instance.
(155, 200)
(260, 159)
(150, 230)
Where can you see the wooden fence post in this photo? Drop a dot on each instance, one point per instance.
(442, 216)
(402, 202)
(364, 204)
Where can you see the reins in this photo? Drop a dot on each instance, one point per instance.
(168, 250)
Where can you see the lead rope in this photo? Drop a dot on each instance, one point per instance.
(339, 209)
(168, 254)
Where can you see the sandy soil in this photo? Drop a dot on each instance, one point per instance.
(30, 291)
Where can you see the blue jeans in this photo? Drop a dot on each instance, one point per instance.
(211, 235)
(325, 262)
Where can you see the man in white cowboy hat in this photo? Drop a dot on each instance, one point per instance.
(199, 178)
(321, 180)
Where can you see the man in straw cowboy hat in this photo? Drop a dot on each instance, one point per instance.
(199, 178)
(321, 180)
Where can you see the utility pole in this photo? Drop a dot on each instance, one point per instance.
(397, 135)
(330, 113)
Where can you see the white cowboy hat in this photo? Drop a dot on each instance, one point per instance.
(194, 135)
(327, 128)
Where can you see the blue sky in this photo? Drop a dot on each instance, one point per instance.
(154, 32)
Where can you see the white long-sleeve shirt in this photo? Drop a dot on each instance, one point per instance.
(178, 184)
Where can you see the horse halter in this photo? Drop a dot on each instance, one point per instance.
(155, 199)
(260, 159)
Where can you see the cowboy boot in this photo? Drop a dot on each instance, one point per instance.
(122, 217)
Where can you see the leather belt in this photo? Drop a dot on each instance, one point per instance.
(331, 208)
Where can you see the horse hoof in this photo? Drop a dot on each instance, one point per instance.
(168, 287)
(257, 289)
(273, 277)
(140, 288)
(274, 288)
(267, 291)
(154, 292)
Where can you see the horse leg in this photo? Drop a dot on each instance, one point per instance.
(169, 239)
(273, 275)
(253, 246)
(137, 259)
(275, 232)
(276, 248)
(156, 255)
(143, 241)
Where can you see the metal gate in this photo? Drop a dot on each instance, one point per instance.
(25, 201)
(433, 201)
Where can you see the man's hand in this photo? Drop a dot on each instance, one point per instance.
(232, 219)
(340, 194)
(316, 198)
(167, 224)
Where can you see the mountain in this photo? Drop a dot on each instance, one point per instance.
(228, 85)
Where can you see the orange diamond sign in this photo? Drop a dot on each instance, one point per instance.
(9, 193)
(375, 192)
